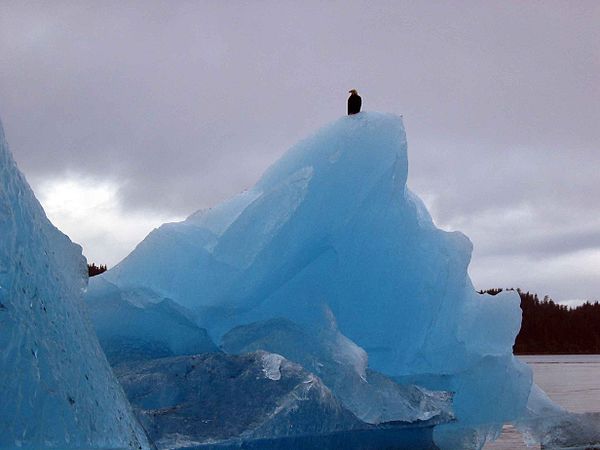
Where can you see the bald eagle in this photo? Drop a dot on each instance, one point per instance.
(354, 102)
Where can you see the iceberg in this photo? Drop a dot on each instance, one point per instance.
(58, 390)
(331, 261)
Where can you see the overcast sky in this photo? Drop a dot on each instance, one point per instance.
(126, 114)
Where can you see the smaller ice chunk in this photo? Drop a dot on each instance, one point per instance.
(554, 427)
(342, 365)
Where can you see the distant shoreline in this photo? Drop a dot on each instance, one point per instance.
(549, 328)
(556, 354)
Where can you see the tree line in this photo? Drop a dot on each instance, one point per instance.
(550, 328)
(94, 270)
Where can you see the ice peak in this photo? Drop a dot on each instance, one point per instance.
(352, 148)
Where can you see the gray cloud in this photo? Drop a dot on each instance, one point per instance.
(186, 103)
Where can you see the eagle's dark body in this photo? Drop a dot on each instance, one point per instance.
(354, 104)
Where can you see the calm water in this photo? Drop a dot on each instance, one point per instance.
(572, 381)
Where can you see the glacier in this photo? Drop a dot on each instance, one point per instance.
(332, 262)
(57, 389)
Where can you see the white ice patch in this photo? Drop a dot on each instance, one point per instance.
(272, 365)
